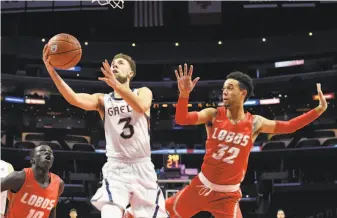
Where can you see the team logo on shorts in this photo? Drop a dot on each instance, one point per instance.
(53, 48)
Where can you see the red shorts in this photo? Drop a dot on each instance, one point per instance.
(192, 200)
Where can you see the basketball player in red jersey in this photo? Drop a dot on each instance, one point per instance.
(34, 192)
(231, 133)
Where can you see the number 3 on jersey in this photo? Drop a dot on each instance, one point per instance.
(223, 149)
(128, 129)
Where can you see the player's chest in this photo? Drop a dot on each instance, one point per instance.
(225, 132)
(114, 109)
(44, 199)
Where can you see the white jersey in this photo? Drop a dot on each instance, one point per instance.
(5, 170)
(126, 131)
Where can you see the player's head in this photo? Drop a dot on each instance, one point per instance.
(42, 157)
(280, 213)
(123, 67)
(73, 213)
(237, 88)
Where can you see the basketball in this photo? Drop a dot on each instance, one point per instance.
(65, 51)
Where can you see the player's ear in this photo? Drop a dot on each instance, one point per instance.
(244, 92)
(131, 74)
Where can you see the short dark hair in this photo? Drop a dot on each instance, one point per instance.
(129, 60)
(73, 209)
(245, 82)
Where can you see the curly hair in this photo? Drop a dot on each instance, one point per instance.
(129, 60)
(245, 82)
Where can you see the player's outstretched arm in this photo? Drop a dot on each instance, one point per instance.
(13, 181)
(275, 126)
(186, 85)
(140, 103)
(82, 100)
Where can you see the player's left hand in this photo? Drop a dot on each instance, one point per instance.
(323, 105)
(109, 77)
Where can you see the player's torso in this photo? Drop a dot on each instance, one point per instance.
(126, 131)
(227, 149)
(33, 201)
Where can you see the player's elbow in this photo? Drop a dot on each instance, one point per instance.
(180, 120)
(142, 108)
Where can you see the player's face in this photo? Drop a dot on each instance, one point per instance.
(280, 214)
(121, 69)
(44, 157)
(73, 214)
(231, 93)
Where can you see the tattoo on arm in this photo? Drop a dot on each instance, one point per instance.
(256, 123)
(210, 123)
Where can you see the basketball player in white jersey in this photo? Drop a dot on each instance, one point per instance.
(5, 170)
(128, 175)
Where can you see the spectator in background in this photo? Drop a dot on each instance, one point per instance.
(280, 214)
(73, 213)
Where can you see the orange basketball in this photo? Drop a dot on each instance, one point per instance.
(65, 51)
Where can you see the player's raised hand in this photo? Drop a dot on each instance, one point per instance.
(109, 77)
(184, 79)
(46, 58)
(323, 105)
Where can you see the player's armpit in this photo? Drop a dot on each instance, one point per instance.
(290, 126)
(13, 181)
(89, 102)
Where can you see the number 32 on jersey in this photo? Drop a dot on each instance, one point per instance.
(223, 149)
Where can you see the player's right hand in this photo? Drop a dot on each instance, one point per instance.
(46, 58)
(184, 79)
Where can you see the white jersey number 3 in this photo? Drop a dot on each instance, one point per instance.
(225, 149)
(128, 129)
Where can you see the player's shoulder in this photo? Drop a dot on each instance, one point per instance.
(61, 186)
(55, 176)
(144, 92)
(99, 95)
(144, 89)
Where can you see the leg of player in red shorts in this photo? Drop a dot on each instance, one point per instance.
(186, 203)
(225, 208)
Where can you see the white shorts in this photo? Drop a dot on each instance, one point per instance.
(131, 181)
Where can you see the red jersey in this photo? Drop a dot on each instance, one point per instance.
(33, 201)
(227, 149)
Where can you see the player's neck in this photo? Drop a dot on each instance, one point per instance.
(235, 113)
(41, 175)
(125, 85)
